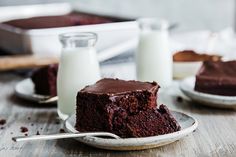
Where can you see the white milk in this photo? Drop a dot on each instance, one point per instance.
(153, 58)
(78, 68)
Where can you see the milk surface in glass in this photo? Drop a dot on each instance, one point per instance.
(78, 67)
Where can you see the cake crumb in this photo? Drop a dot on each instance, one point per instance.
(62, 130)
(23, 129)
(2, 128)
(2, 121)
(29, 118)
(13, 139)
(57, 122)
(179, 99)
(26, 134)
(37, 133)
(32, 124)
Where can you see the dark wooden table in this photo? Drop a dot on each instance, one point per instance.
(215, 136)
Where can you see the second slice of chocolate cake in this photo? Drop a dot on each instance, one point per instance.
(126, 108)
(217, 78)
(45, 80)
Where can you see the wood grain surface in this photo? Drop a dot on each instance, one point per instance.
(215, 136)
(25, 61)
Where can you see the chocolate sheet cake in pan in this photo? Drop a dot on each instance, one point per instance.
(42, 39)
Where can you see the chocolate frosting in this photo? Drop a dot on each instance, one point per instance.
(116, 86)
(218, 69)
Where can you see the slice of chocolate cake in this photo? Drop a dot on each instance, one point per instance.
(126, 108)
(217, 78)
(192, 56)
(45, 80)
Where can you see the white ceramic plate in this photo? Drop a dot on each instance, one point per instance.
(25, 89)
(187, 87)
(188, 125)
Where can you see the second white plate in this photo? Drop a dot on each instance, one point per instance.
(187, 87)
(25, 90)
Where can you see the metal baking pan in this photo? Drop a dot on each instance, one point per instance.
(45, 41)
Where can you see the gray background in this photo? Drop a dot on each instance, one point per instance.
(189, 14)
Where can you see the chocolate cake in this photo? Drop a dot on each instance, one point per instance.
(45, 80)
(192, 56)
(72, 19)
(126, 108)
(217, 78)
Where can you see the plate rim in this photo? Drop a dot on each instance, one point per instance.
(126, 142)
(34, 97)
(219, 100)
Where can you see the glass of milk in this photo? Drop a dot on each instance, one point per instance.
(78, 67)
(153, 57)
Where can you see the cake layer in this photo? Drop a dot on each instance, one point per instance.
(217, 78)
(152, 122)
(45, 80)
(217, 91)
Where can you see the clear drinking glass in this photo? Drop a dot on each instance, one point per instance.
(153, 57)
(78, 67)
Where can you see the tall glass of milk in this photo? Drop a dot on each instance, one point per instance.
(78, 67)
(153, 57)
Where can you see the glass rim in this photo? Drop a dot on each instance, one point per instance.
(159, 23)
(78, 35)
